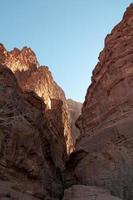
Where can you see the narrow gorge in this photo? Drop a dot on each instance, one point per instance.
(43, 155)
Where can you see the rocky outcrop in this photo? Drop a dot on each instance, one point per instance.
(82, 192)
(32, 144)
(104, 152)
(41, 81)
(74, 108)
(33, 77)
(21, 62)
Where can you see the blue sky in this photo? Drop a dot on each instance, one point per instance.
(66, 35)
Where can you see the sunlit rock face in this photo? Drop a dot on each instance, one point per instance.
(41, 81)
(74, 108)
(32, 144)
(21, 62)
(104, 152)
(33, 77)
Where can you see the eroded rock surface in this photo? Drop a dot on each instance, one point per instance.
(104, 152)
(21, 62)
(33, 77)
(32, 144)
(41, 81)
(82, 192)
(109, 97)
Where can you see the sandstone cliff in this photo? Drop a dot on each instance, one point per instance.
(104, 152)
(33, 77)
(32, 144)
(110, 93)
(74, 108)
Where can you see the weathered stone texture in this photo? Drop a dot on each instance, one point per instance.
(32, 144)
(104, 152)
(109, 96)
(33, 77)
(82, 192)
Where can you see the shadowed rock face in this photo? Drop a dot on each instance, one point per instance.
(82, 192)
(109, 96)
(32, 144)
(104, 152)
(74, 108)
(32, 77)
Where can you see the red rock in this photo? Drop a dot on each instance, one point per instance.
(33, 77)
(104, 152)
(41, 81)
(109, 95)
(32, 144)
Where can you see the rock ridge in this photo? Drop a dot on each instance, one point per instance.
(33, 77)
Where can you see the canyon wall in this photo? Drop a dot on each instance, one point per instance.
(33, 77)
(32, 145)
(110, 94)
(35, 129)
(104, 151)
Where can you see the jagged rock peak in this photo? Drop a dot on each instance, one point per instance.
(129, 12)
(33, 77)
(26, 54)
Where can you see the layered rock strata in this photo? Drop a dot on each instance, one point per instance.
(32, 144)
(110, 93)
(104, 152)
(33, 77)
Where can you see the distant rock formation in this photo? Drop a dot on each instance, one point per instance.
(104, 152)
(74, 109)
(33, 77)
